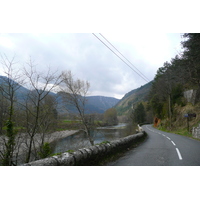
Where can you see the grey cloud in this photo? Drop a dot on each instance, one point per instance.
(89, 59)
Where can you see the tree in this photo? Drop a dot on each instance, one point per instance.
(74, 94)
(35, 113)
(161, 92)
(191, 57)
(8, 88)
(180, 74)
(110, 117)
(139, 114)
(38, 107)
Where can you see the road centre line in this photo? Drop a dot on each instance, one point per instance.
(177, 150)
(168, 138)
(173, 143)
(179, 154)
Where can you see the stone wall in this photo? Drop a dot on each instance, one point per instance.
(196, 132)
(91, 155)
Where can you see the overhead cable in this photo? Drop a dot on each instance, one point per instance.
(125, 57)
(142, 76)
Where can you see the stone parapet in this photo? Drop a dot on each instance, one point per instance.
(91, 155)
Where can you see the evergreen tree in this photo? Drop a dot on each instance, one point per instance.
(139, 115)
(191, 56)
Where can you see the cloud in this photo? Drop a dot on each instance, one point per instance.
(90, 60)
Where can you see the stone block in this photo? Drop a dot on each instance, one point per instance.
(108, 147)
(78, 156)
(45, 162)
(89, 152)
(85, 153)
(100, 149)
(94, 150)
(66, 159)
(103, 148)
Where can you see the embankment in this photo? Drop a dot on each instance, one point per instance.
(93, 155)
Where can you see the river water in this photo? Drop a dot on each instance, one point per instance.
(79, 140)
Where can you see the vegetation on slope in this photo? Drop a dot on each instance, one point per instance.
(182, 73)
(163, 98)
(132, 98)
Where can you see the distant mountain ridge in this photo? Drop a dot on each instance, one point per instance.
(101, 103)
(95, 104)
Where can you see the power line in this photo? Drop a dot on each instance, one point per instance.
(125, 57)
(143, 77)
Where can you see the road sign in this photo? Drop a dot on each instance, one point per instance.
(190, 115)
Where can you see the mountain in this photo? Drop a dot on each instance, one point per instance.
(132, 98)
(100, 104)
(21, 91)
(95, 104)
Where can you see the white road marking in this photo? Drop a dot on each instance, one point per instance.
(173, 143)
(168, 138)
(179, 154)
(177, 150)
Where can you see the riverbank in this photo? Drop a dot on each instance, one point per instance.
(52, 137)
(80, 140)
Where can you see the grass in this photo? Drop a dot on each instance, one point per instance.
(70, 121)
(104, 142)
(73, 124)
(68, 125)
(57, 154)
(180, 131)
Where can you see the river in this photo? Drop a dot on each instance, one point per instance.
(79, 140)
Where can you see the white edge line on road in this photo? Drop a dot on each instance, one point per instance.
(179, 154)
(173, 143)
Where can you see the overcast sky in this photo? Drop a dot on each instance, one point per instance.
(89, 59)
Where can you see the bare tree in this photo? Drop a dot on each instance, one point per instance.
(37, 110)
(8, 88)
(74, 94)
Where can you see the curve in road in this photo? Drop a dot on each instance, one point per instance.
(162, 149)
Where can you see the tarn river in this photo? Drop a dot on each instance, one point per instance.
(79, 140)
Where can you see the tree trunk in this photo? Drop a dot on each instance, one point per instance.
(170, 113)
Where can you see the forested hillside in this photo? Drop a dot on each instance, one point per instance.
(132, 98)
(182, 73)
(167, 96)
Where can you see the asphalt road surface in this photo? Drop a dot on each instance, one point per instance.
(162, 149)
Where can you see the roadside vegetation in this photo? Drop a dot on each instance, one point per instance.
(182, 73)
(179, 131)
(164, 98)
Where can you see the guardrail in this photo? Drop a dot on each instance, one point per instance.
(91, 155)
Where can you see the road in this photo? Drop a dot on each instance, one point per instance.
(162, 149)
